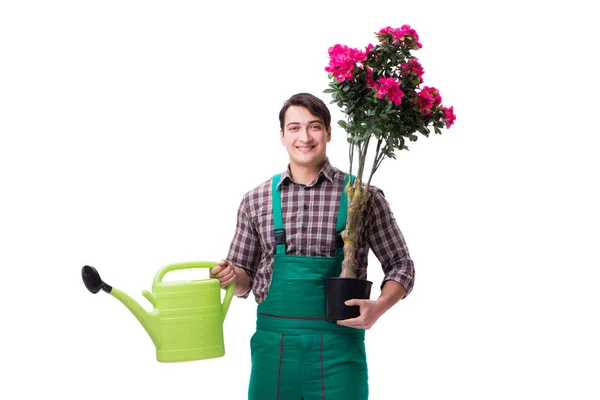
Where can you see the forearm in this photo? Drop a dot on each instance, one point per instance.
(391, 293)
(242, 282)
(387, 243)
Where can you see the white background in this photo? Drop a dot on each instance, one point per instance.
(131, 129)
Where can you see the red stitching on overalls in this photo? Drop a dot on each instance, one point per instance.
(322, 374)
(279, 367)
(288, 317)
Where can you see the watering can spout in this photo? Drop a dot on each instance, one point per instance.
(149, 320)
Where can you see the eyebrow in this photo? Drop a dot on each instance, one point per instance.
(309, 122)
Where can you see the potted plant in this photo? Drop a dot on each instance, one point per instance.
(382, 94)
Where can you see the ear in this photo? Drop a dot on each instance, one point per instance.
(281, 136)
(329, 134)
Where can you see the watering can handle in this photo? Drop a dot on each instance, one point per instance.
(197, 264)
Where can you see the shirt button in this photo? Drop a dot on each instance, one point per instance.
(306, 206)
(303, 229)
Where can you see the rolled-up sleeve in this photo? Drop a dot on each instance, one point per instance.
(244, 251)
(387, 243)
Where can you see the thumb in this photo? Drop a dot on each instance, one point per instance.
(354, 302)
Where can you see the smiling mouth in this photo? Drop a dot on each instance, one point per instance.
(305, 148)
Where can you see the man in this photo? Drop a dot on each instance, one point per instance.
(296, 353)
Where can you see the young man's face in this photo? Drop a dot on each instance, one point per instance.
(305, 137)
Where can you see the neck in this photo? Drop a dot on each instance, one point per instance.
(305, 174)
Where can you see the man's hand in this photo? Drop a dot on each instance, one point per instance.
(370, 311)
(225, 272)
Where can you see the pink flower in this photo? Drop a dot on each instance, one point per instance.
(343, 60)
(425, 102)
(414, 67)
(428, 98)
(389, 87)
(382, 35)
(433, 92)
(404, 35)
(449, 114)
(407, 31)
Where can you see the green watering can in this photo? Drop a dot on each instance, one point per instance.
(186, 323)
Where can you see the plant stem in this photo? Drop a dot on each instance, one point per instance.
(361, 159)
(379, 160)
(357, 202)
(375, 160)
(358, 195)
(351, 156)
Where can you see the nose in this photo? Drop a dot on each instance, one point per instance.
(304, 134)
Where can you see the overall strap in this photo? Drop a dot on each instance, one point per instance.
(341, 218)
(278, 220)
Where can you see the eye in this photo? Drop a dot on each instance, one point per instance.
(293, 128)
(315, 127)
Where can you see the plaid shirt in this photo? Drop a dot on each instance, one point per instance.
(309, 215)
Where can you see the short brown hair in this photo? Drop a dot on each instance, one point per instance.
(312, 103)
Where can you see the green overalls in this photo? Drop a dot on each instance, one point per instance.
(296, 353)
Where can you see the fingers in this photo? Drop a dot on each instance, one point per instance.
(355, 302)
(222, 265)
(362, 321)
(224, 272)
(357, 323)
(351, 302)
(215, 271)
(227, 280)
(352, 322)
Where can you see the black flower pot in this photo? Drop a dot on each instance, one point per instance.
(338, 290)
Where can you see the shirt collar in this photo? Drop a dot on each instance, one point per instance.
(327, 171)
